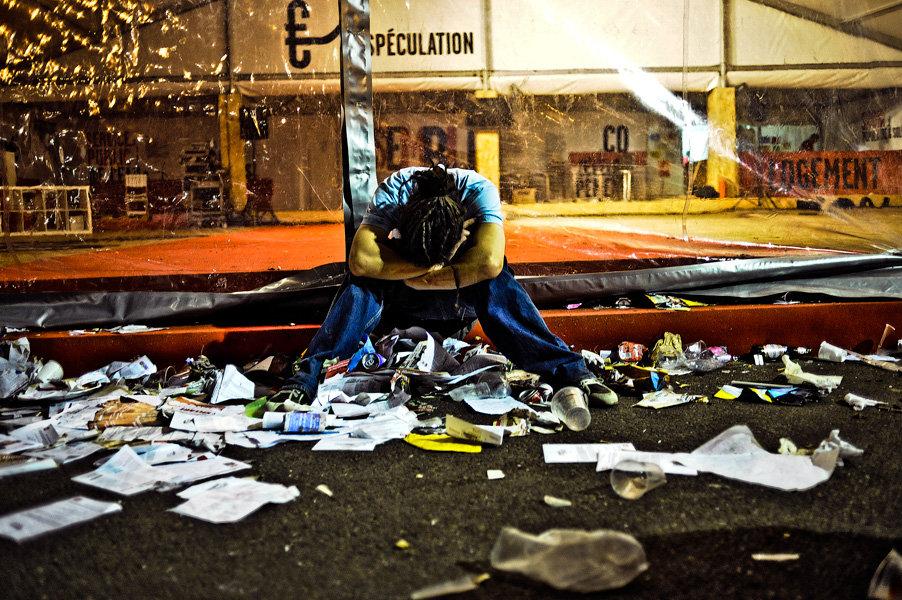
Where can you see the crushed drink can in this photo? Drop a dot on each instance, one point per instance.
(630, 351)
(371, 362)
(537, 395)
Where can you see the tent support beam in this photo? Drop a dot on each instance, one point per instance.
(853, 27)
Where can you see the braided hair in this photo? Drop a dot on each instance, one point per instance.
(431, 222)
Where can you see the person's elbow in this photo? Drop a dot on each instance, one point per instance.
(360, 266)
(492, 266)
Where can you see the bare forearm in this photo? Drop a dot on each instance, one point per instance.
(386, 264)
(371, 256)
(469, 271)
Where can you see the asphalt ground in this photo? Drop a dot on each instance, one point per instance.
(700, 533)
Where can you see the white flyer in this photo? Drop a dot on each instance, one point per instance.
(30, 523)
(231, 499)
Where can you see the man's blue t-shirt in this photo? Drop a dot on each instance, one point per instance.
(477, 195)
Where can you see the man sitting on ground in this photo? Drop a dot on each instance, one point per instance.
(431, 246)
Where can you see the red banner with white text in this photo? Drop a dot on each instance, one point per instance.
(804, 174)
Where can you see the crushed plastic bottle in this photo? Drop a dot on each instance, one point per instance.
(570, 559)
(480, 390)
(295, 422)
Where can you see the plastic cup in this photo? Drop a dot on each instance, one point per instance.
(51, 371)
(832, 353)
(632, 479)
(570, 406)
(887, 579)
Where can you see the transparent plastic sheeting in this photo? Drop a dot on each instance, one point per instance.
(851, 277)
(707, 124)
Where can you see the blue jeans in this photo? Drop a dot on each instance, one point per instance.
(504, 309)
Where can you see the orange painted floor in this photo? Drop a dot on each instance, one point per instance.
(300, 247)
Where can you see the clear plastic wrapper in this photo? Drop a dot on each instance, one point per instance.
(581, 561)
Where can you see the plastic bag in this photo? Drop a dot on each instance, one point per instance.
(569, 559)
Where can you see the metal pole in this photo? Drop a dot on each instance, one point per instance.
(358, 147)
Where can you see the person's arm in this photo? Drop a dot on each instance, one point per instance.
(483, 260)
(371, 256)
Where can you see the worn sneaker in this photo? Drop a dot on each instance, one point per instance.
(598, 393)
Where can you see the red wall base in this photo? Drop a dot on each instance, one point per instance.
(855, 325)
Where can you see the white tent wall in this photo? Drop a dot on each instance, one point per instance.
(258, 36)
(773, 49)
(561, 47)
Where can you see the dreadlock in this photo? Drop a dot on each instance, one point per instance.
(431, 222)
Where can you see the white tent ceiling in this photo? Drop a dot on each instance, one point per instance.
(769, 43)
(877, 20)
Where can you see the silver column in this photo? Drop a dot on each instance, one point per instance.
(358, 148)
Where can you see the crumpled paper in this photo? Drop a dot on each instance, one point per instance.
(795, 375)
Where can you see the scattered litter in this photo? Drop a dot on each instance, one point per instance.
(230, 499)
(775, 556)
(887, 580)
(495, 406)
(295, 422)
(65, 453)
(162, 430)
(127, 474)
(567, 559)
(402, 544)
(701, 359)
(630, 351)
(580, 453)
(736, 454)
(860, 403)
(126, 329)
(887, 329)
(439, 442)
(464, 583)
(832, 353)
(795, 375)
(766, 353)
(459, 428)
(664, 302)
(324, 489)
(887, 363)
(231, 385)
(13, 464)
(569, 404)
(33, 522)
(667, 398)
(787, 446)
(844, 448)
(671, 464)
(555, 502)
(346, 443)
(633, 479)
(667, 351)
(771, 394)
